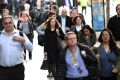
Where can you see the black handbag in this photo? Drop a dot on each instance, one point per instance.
(44, 65)
(41, 40)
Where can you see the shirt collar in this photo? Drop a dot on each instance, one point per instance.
(15, 31)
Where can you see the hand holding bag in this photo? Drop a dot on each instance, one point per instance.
(44, 65)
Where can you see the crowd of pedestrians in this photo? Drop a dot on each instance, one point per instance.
(68, 43)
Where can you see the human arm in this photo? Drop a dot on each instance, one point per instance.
(41, 29)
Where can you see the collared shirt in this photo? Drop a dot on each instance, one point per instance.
(67, 2)
(63, 19)
(11, 52)
(72, 71)
(78, 28)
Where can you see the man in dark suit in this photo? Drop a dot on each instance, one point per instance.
(64, 20)
(114, 25)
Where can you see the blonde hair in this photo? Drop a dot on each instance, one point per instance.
(8, 16)
(69, 33)
(25, 12)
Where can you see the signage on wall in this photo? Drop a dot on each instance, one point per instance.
(98, 16)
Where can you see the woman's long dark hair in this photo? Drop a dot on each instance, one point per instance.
(48, 25)
(112, 43)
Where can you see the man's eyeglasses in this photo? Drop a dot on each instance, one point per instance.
(71, 38)
(5, 23)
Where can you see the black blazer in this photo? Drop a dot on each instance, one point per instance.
(68, 20)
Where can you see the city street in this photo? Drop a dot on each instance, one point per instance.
(32, 67)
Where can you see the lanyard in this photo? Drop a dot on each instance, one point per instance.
(74, 60)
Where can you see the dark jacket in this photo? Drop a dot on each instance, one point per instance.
(73, 28)
(1, 26)
(68, 21)
(82, 39)
(50, 45)
(114, 27)
(90, 62)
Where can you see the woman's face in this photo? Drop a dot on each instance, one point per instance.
(5, 13)
(78, 20)
(74, 13)
(118, 10)
(86, 31)
(105, 36)
(52, 23)
(24, 14)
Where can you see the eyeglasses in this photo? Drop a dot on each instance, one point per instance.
(118, 9)
(71, 38)
(5, 23)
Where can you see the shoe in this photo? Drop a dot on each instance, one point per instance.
(30, 58)
(48, 75)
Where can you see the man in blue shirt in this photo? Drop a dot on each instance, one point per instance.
(76, 61)
(11, 51)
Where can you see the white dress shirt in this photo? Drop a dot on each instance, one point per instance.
(11, 52)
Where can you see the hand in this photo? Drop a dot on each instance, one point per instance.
(115, 70)
(67, 29)
(18, 39)
(83, 53)
(57, 31)
(97, 56)
(45, 55)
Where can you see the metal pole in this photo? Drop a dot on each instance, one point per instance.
(107, 10)
(13, 7)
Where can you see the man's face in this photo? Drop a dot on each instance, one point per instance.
(8, 24)
(64, 12)
(71, 40)
(118, 10)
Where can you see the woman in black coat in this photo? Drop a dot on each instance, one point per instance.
(52, 31)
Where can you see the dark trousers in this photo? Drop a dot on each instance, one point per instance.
(84, 8)
(108, 78)
(85, 78)
(30, 37)
(12, 73)
(30, 54)
(52, 68)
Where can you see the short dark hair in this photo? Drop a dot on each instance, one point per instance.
(117, 6)
(55, 7)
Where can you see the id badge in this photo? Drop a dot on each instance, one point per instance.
(78, 68)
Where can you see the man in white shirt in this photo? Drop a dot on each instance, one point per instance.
(11, 51)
